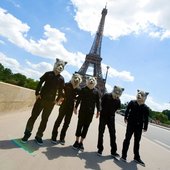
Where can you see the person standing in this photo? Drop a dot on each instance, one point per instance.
(49, 85)
(110, 103)
(71, 92)
(88, 99)
(136, 117)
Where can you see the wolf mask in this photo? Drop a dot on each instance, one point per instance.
(141, 96)
(59, 66)
(117, 92)
(76, 80)
(91, 82)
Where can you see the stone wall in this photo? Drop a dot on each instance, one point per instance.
(13, 98)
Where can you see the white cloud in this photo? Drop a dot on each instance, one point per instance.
(13, 29)
(8, 62)
(125, 17)
(14, 3)
(67, 76)
(34, 71)
(155, 106)
(42, 66)
(50, 46)
(123, 75)
(2, 42)
(16, 67)
(109, 87)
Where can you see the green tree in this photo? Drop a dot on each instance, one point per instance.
(161, 117)
(19, 79)
(30, 83)
(1, 71)
(167, 113)
(7, 74)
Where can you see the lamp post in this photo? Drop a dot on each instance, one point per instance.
(106, 73)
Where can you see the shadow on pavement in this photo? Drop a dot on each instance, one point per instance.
(126, 165)
(93, 160)
(55, 152)
(31, 146)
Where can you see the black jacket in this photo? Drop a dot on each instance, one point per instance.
(70, 95)
(52, 85)
(137, 115)
(109, 105)
(88, 99)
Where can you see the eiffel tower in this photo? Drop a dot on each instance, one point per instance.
(93, 59)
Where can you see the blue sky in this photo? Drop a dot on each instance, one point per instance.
(135, 44)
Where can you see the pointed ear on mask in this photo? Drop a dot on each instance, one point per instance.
(57, 59)
(115, 87)
(146, 93)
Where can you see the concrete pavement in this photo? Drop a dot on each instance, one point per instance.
(30, 156)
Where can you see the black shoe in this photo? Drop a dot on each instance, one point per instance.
(139, 161)
(39, 140)
(115, 155)
(99, 153)
(62, 141)
(76, 145)
(123, 159)
(53, 140)
(25, 139)
(81, 147)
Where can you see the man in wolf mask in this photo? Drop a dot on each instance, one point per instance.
(49, 85)
(136, 117)
(89, 99)
(110, 103)
(71, 92)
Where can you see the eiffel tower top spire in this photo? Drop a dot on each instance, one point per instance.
(96, 46)
(93, 59)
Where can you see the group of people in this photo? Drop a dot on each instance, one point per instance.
(70, 97)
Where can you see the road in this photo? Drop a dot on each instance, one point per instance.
(16, 156)
(155, 133)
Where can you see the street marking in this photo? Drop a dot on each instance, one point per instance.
(25, 147)
(155, 143)
(161, 143)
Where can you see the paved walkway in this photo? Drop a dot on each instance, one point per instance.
(17, 156)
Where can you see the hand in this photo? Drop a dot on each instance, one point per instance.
(38, 97)
(75, 110)
(125, 120)
(97, 114)
(60, 101)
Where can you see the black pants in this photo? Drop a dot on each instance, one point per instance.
(130, 130)
(40, 105)
(110, 122)
(66, 114)
(83, 124)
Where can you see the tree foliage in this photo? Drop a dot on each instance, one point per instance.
(18, 79)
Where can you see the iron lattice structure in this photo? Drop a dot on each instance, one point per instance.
(93, 59)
